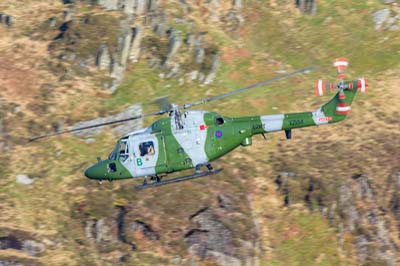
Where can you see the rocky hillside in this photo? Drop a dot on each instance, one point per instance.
(329, 196)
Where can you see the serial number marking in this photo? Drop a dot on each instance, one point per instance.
(325, 119)
(296, 122)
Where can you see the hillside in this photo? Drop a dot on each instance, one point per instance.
(329, 196)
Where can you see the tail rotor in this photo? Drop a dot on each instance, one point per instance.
(342, 104)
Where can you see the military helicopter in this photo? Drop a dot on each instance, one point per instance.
(188, 139)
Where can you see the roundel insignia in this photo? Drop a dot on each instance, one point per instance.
(218, 134)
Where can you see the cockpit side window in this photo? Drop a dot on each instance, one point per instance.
(113, 154)
(123, 150)
(146, 148)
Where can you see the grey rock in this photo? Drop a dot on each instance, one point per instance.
(386, 2)
(199, 55)
(348, 209)
(223, 259)
(90, 140)
(174, 44)
(125, 51)
(193, 75)
(225, 202)
(125, 128)
(4, 262)
(129, 6)
(160, 30)
(25, 179)
(234, 20)
(237, 4)
(68, 15)
(213, 72)
(190, 40)
(374, 242)
(307, 6)
(201, 77)
(364, 189)
(135, 46)
(145, 229)
(174, 70)
(109, 4)
(9, 20)
(52, 22)
(103, 58)
(141, 6)
(380, 17)
(153, 5)
(362, 248)
(213, 7)
(33, 247)
(117, 72)
(103, 231)
(210, 236)
(90, 230)
(155, 62)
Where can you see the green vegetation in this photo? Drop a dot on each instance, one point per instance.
(274, 39)
(304, 239)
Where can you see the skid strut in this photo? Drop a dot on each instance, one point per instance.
(179, 179)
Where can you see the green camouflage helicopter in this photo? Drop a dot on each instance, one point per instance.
(193, 139)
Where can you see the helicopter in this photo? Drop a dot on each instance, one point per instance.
(190, 139)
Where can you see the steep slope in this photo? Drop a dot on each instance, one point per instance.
(327, 197)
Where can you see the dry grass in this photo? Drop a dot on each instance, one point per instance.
(367, 142)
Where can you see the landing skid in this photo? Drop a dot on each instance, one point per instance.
(178, 179)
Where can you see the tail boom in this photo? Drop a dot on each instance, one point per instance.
(333, 111)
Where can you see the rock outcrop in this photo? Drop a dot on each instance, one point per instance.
(363, 217)
(356, 211)
(24, 179)
(136, 7)
(211, 239)
(387, 19)
(307, 6)
(122, 129)
(19, 240)
(103, 58)
(135, 46)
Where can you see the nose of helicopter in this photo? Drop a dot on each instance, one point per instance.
(93, 172)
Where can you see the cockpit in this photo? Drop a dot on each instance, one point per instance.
(120, 151)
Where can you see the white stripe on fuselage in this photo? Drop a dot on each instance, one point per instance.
(272, 122)
(191, 138)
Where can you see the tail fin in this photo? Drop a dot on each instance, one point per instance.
(339, 106)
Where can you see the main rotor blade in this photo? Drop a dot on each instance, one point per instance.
(97, 125)
(163, 102)
(206, 100)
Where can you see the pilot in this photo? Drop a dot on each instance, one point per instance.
(150, 150)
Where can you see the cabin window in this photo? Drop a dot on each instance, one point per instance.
(146, 148)
(123, 150)
(219, 121)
